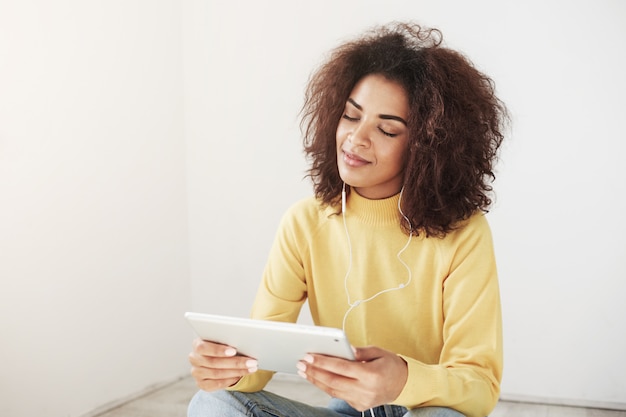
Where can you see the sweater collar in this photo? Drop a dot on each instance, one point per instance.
(380, 212)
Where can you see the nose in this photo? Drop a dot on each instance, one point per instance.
(359, 136)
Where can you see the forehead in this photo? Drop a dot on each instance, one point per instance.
(377, 93)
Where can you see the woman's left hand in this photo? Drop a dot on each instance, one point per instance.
(376, 377)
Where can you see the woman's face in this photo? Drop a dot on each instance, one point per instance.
(372, 137)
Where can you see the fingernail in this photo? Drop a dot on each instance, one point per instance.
(302, 374)
(252, 363)
(230, 352)
(301, 366)
(308, 358)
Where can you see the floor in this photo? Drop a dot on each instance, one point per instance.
(171, 401)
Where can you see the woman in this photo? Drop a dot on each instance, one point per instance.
(394, 248)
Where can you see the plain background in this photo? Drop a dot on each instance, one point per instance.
(148, 149)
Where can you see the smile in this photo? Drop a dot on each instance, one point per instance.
(353, 160)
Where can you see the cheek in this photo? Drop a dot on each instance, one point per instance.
(340, 132)
(397, 156)
(340, 137)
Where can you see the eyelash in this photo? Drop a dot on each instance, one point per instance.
(355, 119)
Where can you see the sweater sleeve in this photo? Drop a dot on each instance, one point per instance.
(467, 376)
(282, 290)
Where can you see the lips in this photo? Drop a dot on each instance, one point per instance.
(353, 159)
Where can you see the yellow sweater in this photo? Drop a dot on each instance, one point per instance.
(446, 323)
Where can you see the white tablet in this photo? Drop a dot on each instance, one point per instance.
(277, 346)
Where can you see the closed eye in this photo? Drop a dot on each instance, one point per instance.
(350, 119)
(391, 135)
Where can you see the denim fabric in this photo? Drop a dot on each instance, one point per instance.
(267, 404)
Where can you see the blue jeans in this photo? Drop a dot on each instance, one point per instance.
(267, 404)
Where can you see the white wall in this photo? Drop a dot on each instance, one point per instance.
(558, 221)
(94, 273)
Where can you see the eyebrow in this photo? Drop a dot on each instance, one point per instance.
(382, 116)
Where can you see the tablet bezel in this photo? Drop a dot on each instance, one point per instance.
(278, 346)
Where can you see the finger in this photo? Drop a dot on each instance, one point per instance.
(207, 348)
(334, 365)
(217, 373)
(328, 378)
(347, 389)
(216, 366)
(320, 381)
(336, 386)
(204, 373)
(353, 381)
(240, 363)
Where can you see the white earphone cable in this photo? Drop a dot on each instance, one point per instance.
(352, 305)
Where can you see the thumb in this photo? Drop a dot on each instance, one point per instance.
(367, 354)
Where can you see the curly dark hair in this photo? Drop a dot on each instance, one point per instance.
(455, 123)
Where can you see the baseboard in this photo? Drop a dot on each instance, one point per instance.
(567, 402)
(121, 401)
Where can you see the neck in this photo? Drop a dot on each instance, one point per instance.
(377, 212)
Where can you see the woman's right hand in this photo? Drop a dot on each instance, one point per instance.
(216, 366)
